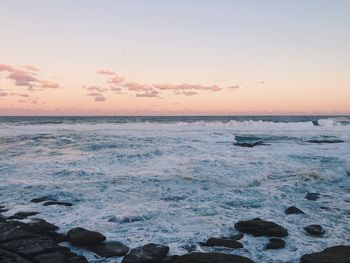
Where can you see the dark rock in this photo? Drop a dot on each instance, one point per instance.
(258, 227)
(29, 247)
(60, 256)
(315, 230)
(80, 237)
(2, 210)
(249, 144)
(325, 141)
(10, 230)
(43, 199)
(315, 123)
(312, 196)
(207, 258)
(336, 254)
(223, 242)
(40, 226)
(150, 253)
(293, 210)
(22, 215)
(275, 243)
(109, 249)
(8, 257)
(57, 203)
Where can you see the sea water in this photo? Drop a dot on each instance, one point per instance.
(179, 180)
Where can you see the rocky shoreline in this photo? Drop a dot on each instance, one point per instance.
(38, 241)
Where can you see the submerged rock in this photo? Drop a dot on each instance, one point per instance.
(258, 227)
(57, 203)
(275, 243)
(325, 141)
(22, 215)
(223, 242)
(312, 196)
(80, 237)
(249, 144)
(315, 230)
(293, 210)
(109, 249)
(43, 199)
(207, 258)
(336, 254)
(150, 253)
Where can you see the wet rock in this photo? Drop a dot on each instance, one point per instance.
(336, 254)
(109, 249)
(8, 257)
(22, 215)
(40, 226)
(150, 253)
(312, 196)
(223, 242)
(258, 227)
(325, 141)
(237, 236)
(2, 210)
(293, 210)
(60, 256)
(275, 243)
(207, 258)
(80, 236)
(249, 144)
(43, 199)
(10, 230)
(315, 230)
(57, 203)
(29, 247)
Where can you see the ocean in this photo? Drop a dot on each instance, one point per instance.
(179, 180)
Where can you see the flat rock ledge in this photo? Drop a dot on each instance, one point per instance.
(258, 227)
(336, 254)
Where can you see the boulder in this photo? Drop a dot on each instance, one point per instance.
(80, 237)
(8, 257)
(109, 249)
(42, 199)
(57, 203)
(258, 227)
(336, 254)
(275, 243)
(293, 210)
(315, 230)
(223, 242)
(22, 215)
(150, 253)
(207, 258)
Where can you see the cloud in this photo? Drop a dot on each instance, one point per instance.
(148, 94)
(100, 98)
(27, 77)
(187, 87)
(3, 94)
(95, 88)
(233, 87)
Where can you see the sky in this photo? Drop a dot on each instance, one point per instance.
(167, 57)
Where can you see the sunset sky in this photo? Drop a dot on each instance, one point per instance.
(184, 57)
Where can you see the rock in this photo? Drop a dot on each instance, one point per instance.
(315, 230)
(57, 203)
(312, 196)
(258, 227)
(150, 253)
(315, 123)
(42, 199)
(325, 141)
(8, 257)
(29, 247)
(293, 210)
(60, 256)
(109, 249)
(336, 254)
(80, 236)
(207, 258)
(275, 243)
(10, 230)
(249, 144)
(3, 210)
(222, 242)
(22, 215)
(40, 226)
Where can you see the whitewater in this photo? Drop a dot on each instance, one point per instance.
(179, 180)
